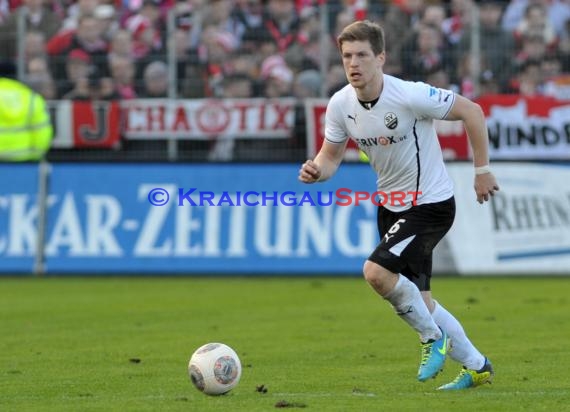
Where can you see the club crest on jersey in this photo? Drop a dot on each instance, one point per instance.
(391, 121)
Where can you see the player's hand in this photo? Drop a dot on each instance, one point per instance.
(485, 186)
(310, 172)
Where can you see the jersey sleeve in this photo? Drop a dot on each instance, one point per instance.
(335, 130)
(427, 101)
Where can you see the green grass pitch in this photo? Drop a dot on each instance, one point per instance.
(319, 344)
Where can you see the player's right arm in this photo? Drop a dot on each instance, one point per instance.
(325, 164)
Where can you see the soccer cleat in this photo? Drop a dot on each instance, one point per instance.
(469, 378)
(433, 357)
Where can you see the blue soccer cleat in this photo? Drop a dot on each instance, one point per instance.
(433, 357)
(469, 378)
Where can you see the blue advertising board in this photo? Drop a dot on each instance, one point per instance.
(18, 217)
(195, 219)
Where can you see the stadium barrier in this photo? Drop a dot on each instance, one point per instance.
(529, 128)
(147, 219)
(520, 128)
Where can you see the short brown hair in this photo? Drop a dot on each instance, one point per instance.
(363, 31)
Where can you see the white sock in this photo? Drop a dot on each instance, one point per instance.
(407, 301)
(462, 350)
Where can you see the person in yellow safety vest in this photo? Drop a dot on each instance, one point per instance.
(26, 131)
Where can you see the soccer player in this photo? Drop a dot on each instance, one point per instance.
(391, 120)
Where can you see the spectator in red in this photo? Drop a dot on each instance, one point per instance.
(455, 26)
(77, 64)
(88, 38)
(146, 40)
(147, 29)
(282, 22)
(210, 63)
(278, 77)
(38, 18)
(148, 35)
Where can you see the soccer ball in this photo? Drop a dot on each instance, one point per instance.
(214, 368)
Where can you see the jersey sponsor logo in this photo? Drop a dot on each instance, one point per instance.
(380, 140)
(391, 120)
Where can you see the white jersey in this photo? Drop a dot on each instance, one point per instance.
(398, 136)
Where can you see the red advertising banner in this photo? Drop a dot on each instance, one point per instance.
(527, 127)
(96, 124)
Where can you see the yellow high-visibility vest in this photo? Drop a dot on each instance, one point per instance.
(25, 127)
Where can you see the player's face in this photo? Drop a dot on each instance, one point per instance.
(362, 67)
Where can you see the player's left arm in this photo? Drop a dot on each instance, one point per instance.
(475, 125)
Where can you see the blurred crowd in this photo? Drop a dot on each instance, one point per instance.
(118, 49)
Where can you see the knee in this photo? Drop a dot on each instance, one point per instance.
(373, 273)
(368, 271)
(379, 278)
